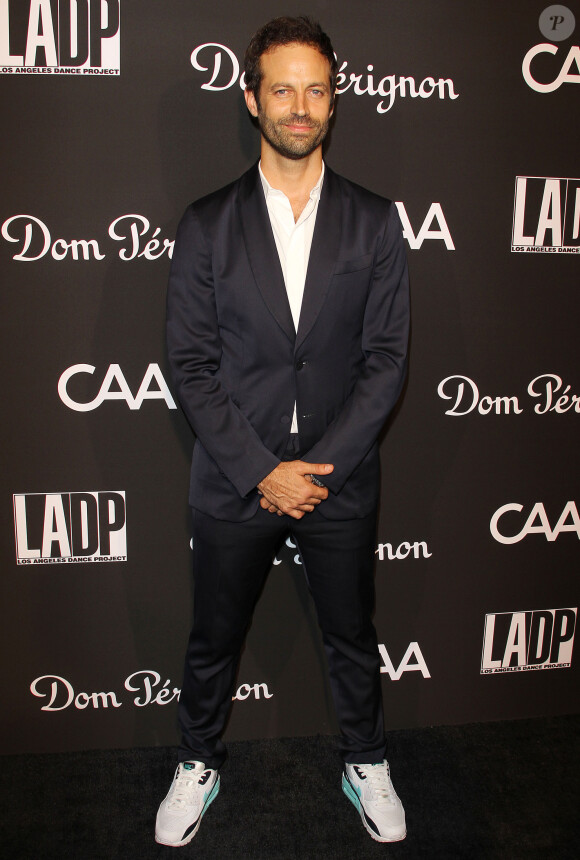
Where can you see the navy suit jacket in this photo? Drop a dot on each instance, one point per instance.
(239, 365)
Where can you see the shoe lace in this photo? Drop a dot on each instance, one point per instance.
(183, 786)
(380, 781)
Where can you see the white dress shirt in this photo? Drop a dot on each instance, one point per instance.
(293, 242)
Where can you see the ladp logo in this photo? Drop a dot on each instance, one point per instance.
(69, 37)
(523, 641)
(70, 527)
(546, 215)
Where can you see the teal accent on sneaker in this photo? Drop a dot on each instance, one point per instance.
(208, 799)
(350, 791)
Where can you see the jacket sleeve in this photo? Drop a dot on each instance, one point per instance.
(194, 350)
(385, 336)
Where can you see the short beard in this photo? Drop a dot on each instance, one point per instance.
(286, 144)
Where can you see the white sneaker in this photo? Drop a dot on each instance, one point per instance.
(192, 790)
(369, 787)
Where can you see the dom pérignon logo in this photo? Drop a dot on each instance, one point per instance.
(52, 528)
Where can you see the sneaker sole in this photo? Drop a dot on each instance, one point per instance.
(212, 795)
(355, 800)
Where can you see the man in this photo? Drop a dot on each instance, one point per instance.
(287, 334)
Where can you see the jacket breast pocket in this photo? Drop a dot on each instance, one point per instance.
(358, 264)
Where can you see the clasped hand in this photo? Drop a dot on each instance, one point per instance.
(289, 490)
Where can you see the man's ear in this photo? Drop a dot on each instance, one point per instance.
(251, 102)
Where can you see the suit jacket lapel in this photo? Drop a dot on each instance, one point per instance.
(262, 251)
(323, 254)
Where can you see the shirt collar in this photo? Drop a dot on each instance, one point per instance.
(269, 191)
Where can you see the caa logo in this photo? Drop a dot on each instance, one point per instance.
(70, 527)
(563, 76)
(524, 641)
(546, 215)
(434, 226)
(413, 652)
(538, 512)
(121, 391)
(70, 37)
(556, 23)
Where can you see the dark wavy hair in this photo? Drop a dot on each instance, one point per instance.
(286, 31)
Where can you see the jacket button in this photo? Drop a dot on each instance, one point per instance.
(300, 364)
(285, 419)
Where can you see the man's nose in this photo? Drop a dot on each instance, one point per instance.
(299, 105)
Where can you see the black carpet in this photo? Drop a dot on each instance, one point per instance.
(488, 790)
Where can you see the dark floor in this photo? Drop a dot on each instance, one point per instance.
(488, 790)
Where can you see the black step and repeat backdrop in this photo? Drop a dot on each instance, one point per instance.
(116, 114)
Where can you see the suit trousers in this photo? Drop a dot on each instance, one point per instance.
(231, 561)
